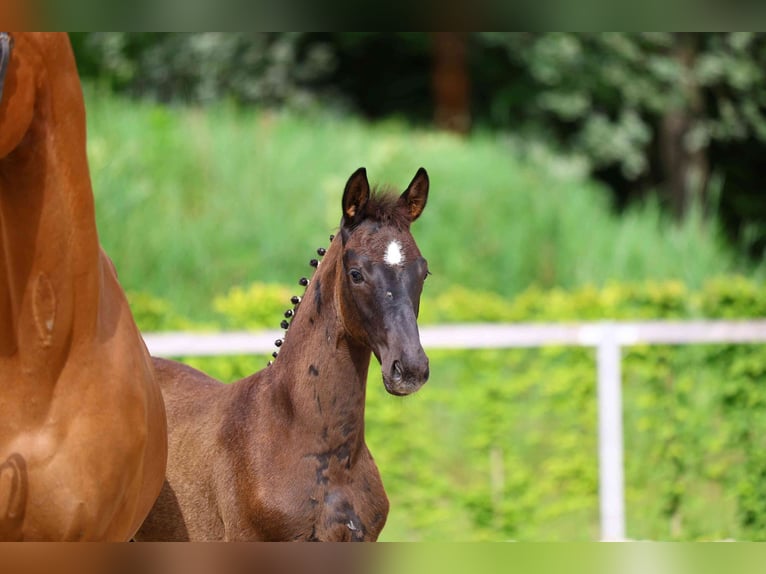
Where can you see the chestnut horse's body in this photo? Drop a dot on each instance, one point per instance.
(281, 455)
(83, 439)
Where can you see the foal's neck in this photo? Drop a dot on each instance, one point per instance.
(320, 375)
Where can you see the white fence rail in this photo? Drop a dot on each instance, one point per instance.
(607, 337)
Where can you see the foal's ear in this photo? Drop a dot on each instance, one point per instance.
(355, 195)
(416, 194)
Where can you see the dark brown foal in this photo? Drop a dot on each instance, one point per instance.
(281, 455)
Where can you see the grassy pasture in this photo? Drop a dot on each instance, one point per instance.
(191, 202)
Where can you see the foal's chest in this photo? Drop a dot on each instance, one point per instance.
(343, 514)
(332, 501)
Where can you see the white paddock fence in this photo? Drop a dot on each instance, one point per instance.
(607, 337)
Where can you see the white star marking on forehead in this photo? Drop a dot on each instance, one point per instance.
(394, 255)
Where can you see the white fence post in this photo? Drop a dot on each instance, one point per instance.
(610, 440)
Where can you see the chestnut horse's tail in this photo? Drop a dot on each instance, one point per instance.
(14, 486)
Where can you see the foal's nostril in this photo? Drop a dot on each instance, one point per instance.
(396, 372)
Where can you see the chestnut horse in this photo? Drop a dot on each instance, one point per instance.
(83, 441)
(281, 455)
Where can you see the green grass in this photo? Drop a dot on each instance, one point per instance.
(193, 201)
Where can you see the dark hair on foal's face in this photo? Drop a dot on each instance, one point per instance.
(383, 275)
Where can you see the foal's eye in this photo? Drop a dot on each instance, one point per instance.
(356, 276)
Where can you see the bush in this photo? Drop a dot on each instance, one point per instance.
(153, 313)
(255, 307)
(501, 444)
(267, 68)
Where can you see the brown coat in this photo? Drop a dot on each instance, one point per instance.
(82, 424)
(281, 455)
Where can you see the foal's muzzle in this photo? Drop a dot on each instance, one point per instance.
(406, 374)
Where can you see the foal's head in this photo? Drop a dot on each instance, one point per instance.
(382, 278)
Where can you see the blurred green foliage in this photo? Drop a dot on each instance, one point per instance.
(605, 92)
(648, 112)
(633, 108)
(501, 444)
(268, 68)
(254, 307)
(190, 202)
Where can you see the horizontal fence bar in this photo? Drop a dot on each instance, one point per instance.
(486, 336)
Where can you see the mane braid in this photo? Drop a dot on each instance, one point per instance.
(295, 300)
